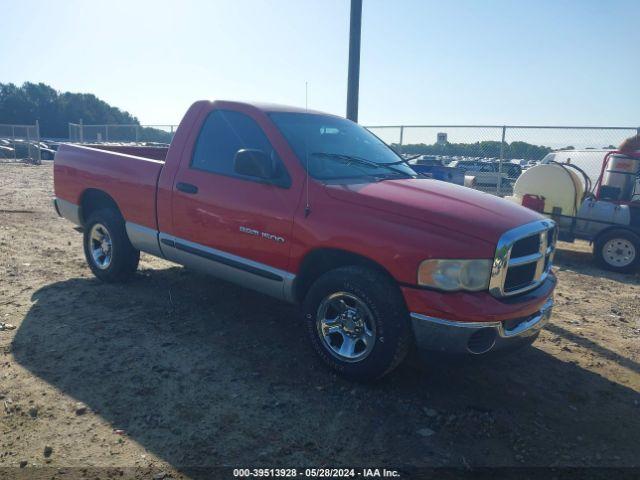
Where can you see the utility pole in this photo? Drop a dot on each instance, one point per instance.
(353, 85)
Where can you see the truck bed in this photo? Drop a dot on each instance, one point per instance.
(150, 152)
(128, 174)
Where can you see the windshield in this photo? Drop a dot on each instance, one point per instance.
(335, 148)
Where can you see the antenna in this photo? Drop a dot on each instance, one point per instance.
(307, 206)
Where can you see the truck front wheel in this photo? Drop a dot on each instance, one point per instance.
(618, 250)
(357, 322)
(107, 248)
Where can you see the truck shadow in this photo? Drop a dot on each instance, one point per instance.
(599, 350)
(203, 373)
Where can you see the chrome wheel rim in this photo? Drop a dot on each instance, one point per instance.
(346, 327)
(100, 246)
(619, 252)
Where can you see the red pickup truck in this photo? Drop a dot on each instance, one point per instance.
(316, 210)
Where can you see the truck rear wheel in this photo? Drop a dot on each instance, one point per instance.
(107, 248)
(357, 322)
(618, 250)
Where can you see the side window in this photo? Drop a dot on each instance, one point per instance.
(222, 135)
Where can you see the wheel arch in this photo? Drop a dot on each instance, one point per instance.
(93, 199)
(321, 260)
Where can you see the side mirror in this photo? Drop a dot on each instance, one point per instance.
(254, 163)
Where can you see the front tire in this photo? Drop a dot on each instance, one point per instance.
(107, 248)
(618, 250)
(357, 322)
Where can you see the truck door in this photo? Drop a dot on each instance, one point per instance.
(235, 226)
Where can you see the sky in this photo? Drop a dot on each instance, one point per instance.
(540, 62)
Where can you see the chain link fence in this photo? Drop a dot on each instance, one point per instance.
(20, 143)
(486, 157)
(493, 156)
(133, 133)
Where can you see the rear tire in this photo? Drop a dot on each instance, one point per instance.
(107, 248)
(357, 322)
(618, 250)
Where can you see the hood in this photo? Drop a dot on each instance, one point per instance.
(446, 205)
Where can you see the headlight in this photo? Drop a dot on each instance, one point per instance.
(451, 275)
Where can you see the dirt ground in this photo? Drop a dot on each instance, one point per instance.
(176, 369)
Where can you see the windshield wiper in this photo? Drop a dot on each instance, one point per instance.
(361, 161)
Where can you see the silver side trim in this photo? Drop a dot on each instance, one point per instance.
(439, 335)
(144, 238)
(242, 271)
(67, 210)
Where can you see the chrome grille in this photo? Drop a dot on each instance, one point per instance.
(523, 258)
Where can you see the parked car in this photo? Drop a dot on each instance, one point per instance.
(434, 167)
(313, 209)
(470, 167)
(427, 160)
(482, 175)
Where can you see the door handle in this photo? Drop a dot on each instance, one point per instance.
(187, 188)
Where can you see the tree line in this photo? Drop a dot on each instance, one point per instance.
(55, 110)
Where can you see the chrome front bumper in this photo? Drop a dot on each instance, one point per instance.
(445, 336)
